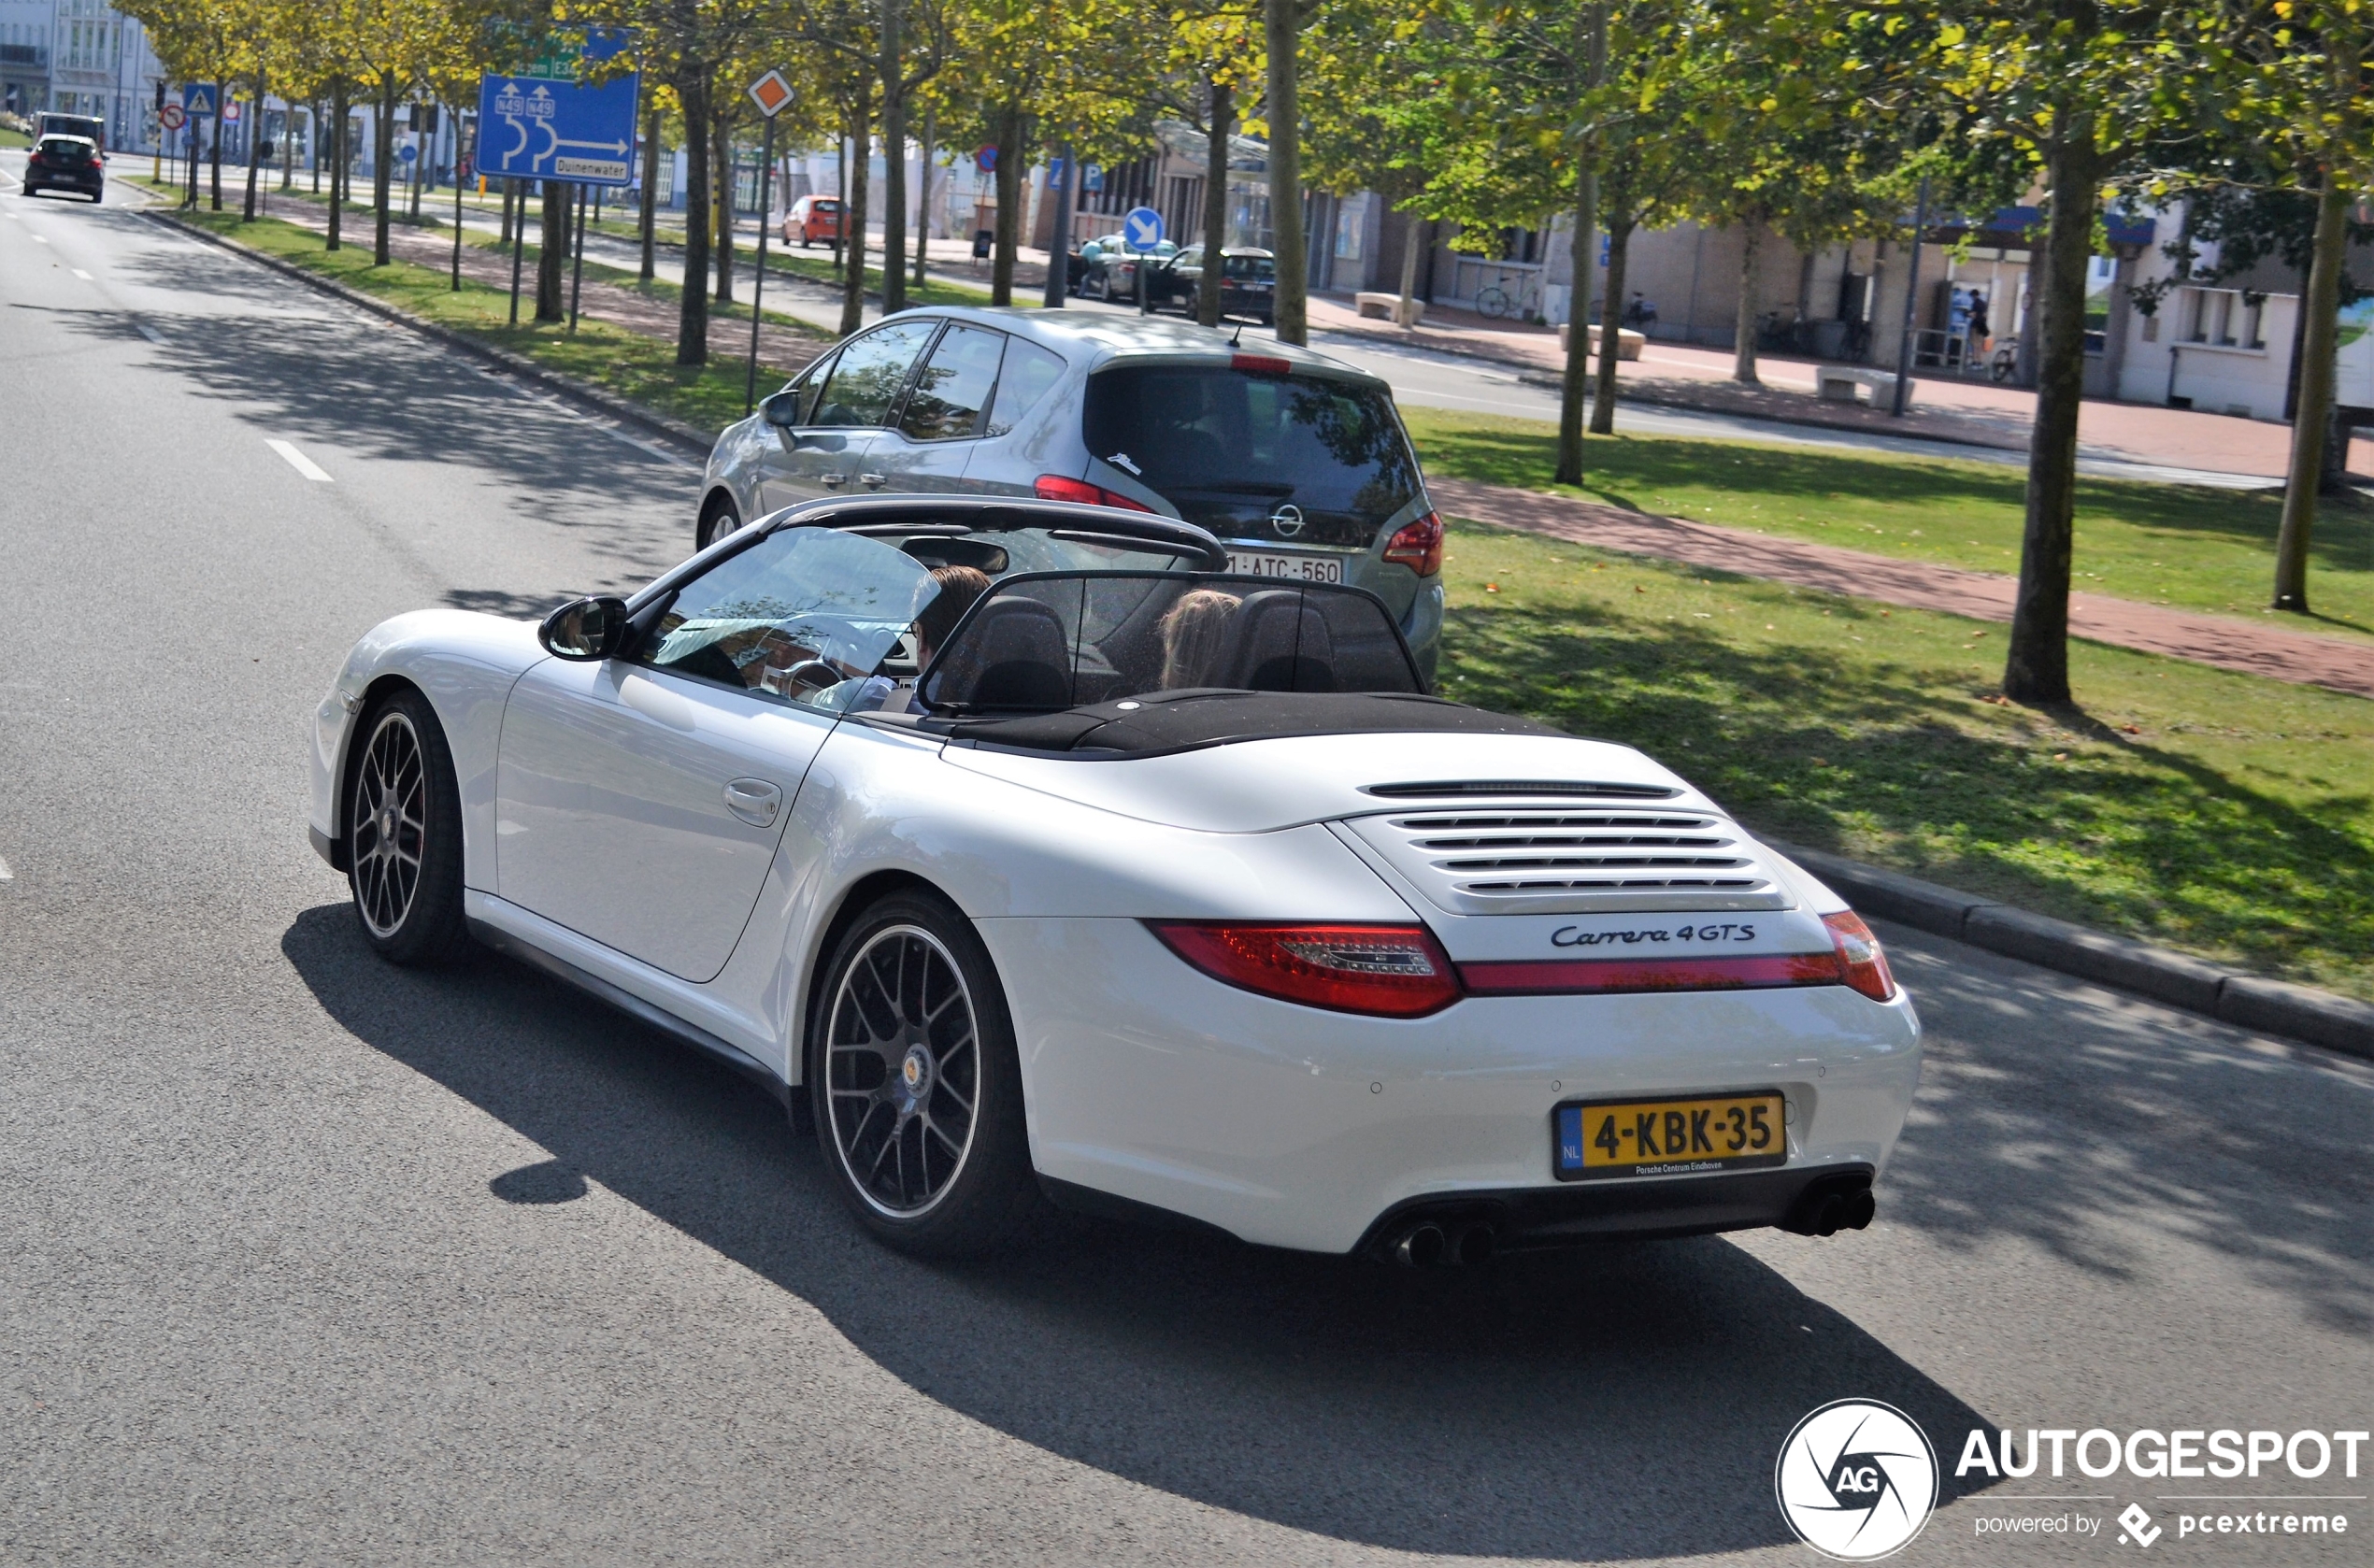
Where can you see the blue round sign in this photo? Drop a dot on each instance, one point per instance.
(1142, 226)
(408, 152)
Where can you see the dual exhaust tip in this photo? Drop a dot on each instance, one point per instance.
(1433, 1245)
(1826, 1211)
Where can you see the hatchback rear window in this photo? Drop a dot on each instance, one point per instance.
(1234, 449)
(1260, 268)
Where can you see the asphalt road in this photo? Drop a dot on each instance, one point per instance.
(304, 1259)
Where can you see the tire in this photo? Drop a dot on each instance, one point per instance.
(909, 1025)
(404, 835)
(717, 519)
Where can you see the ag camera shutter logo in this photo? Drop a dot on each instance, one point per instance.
(1856, 1480)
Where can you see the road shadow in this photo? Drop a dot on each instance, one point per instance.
(1622, 1402)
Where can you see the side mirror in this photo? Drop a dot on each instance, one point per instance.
(584, 629)
(782, 409)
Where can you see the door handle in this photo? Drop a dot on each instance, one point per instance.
(874, 481)
(755, 801)
(835, 481)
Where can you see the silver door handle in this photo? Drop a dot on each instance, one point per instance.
(755, 801)
(874, 481)
(835, 481)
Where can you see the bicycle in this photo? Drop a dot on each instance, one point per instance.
(1496, 302)
(2004, 361)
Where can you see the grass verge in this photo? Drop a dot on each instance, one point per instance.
(2218, 813)
(625, 363)
(2176, 544)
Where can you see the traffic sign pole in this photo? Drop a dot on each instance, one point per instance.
(770, 92)
(576, 273)
(518, 237)
(1059, 265)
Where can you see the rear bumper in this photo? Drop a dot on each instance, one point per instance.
(1534, 1218)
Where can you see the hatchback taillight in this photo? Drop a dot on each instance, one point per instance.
(1054, 487)
(1388, 971)
(1418, 545)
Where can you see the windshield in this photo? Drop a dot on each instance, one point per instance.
(798, 616)
(1051, 641)
(1230, 449)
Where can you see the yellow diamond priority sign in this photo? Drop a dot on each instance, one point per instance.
(770, 92)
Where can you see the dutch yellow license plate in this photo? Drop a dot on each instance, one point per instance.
(1601, 1138)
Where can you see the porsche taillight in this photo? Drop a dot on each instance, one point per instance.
(1417, 546)
(1054, 487)
(1387, 971)
(1864, 966)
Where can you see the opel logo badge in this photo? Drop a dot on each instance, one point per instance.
(1287, 519)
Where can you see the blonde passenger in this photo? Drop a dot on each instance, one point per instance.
(1192, 634)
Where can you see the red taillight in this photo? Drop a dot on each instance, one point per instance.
(1389, 971)
(1417, 546)
(1054, 487)
(1261, 364)
(1605, 976)
(1866, 966)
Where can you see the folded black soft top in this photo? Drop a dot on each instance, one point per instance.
(1183, 721)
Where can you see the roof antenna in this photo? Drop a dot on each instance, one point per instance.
(1238, 336)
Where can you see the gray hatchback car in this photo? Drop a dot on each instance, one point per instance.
(1297, 463)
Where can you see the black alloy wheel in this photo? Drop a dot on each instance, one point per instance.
(915, 1085)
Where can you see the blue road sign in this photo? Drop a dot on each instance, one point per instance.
(408, 152)
(550, 127)
(1142, 226)
(197, 98)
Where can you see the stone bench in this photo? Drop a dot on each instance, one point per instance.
(1844, 383)
(1382, 306)
(1628, 342)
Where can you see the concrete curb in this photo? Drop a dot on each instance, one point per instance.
(677, 430)
(2320, 1017)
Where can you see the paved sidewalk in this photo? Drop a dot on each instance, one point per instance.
(2300, 657)
(1945, 408)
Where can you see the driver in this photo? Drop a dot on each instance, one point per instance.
(960, 588)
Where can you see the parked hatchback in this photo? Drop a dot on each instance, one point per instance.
(1247, 283)
(812, 218)
(65, 164)
(1299, 462)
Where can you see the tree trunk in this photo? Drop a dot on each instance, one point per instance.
(2311, 426)
(648, 217)
(1293, 297)
(924, 197)
(1010, 205)
(338, 163)
(1603, 400)
(722, 149)
(1577, 374)
(382, 171)
(319, 131)
(892, 69)
(288, 147)
(1405, 313)
(255, 151)
(1743, 334)
(841, 193)
(552, 253)
(214, 154)
(1222, 120)
(692, 313)
(853, 279)
(2036, 667)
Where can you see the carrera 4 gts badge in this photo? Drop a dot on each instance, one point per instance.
(1574, 936)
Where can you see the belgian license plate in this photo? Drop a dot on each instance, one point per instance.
(1301, 568)
(1604, 1138)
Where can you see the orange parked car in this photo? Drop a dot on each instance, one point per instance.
(812, 218)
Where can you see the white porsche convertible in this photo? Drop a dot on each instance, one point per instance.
(1031, 856)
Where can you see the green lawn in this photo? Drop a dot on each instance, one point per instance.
(619, 361)
(2179, 544)
(2222, 814)
(14, 138)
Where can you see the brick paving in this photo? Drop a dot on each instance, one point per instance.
(2300, 657)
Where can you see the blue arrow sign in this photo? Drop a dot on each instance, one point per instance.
(197, 98)
(1142, 226)
(552, 128)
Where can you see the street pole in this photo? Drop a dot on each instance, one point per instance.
(758, 274)
(1060, 246)
(518, 238)
(457, 199)
(576, 275)
(1911, 297)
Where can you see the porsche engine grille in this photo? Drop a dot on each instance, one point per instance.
(1575, 860)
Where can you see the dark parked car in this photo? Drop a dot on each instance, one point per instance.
(65, 164)
(1247, 283)
(1108, 268)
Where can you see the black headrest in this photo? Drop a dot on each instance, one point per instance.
(1014, 653)
(1277, 643)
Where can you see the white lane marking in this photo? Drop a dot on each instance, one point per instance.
(148, 332)
(299, 461)
(40, 239)
(6, 875)
(80, 273)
